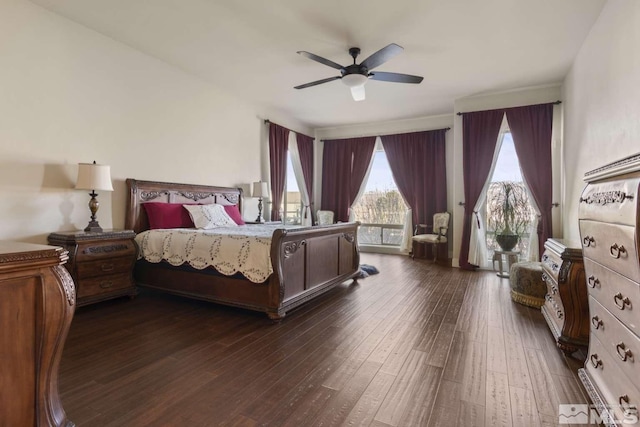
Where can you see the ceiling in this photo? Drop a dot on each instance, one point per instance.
(248, 47)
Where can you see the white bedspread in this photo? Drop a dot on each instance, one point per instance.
(243, 249)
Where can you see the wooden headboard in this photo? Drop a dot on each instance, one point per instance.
(171, 192)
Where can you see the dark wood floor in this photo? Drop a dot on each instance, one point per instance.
(416, 345)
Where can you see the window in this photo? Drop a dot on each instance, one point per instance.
(507, 174)
(381, 209)
(292, 201)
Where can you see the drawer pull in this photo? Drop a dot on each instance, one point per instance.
(623, 352)
(616, 250)
(559, 314)
(626, 302)
(595, 361)
(108, 267)
(106, 285)
(593, 281)
(545, 278)
(588, 240)
(596, 322)
(626, 408)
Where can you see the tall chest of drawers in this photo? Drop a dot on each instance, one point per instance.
(609, 227)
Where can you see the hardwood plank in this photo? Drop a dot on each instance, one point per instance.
(517, 363)
(496, 351)
(498, 406)
(523, 408)
(365, 408)
(543, 384)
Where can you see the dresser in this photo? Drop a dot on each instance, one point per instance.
(609, 218)
(37, 300)
(101, 263)
(566, 307)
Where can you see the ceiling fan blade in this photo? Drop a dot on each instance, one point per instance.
(382, 56)
(321, 60)
(318, 82)
(357, 92)
(394, 77)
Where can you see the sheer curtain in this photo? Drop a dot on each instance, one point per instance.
(300, 179)
(305, 152)
(365, 179)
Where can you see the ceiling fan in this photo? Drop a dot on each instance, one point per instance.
(356, 75)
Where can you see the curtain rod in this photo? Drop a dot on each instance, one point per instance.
(386, 134)
(493, 109)
(267, 121)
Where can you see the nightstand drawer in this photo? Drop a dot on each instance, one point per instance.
(106, 249)
(104, 266)
(104, 284)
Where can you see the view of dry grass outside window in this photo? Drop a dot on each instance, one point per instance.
(381, 213)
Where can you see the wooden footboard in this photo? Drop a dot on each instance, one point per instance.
(307, 262)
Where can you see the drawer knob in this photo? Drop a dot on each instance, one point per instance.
(588, 241)
(108, 267)
(106, 285)
(593, 281)
(623, 352)
(626, 408)
(596, 322)
(616, 250)
(560, 314)
(621, 301)
(595, 360)
(545, 278)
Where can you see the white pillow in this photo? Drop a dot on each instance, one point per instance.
(209, 216)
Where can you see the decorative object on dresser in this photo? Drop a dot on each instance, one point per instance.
(37, 299)
(609, 228)
(92, 176)
(260, 190)
(101, 263)
(565, 309)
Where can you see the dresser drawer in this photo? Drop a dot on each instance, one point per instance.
(104, 266)
(616, 293)
(611, 201)
(551, 263)
(614, 385)
(612, 245)
(105, 284)
(621, 343)
(106, 249)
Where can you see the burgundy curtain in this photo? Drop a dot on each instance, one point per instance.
(278, 146)
(479, 137)
(531, 128)
(305, 148)
(344, 164)
(418, 164)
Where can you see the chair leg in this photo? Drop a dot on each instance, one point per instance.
(435, 253)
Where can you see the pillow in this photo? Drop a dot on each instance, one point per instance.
(209, 216)
(234, 213)
(167, 215)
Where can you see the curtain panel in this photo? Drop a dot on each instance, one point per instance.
(479, 138)
(418, 165)
(344, 165)
(305, 151)
(531, 127)
(278, 144)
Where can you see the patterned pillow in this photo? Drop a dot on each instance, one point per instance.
(209, 216)
(234, 213)
(167, 215)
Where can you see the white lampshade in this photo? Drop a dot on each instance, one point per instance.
(353, 80)
(94, 177)
(260, 189)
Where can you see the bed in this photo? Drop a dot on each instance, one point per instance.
(305, 261)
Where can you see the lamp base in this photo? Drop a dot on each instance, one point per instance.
(93, 227)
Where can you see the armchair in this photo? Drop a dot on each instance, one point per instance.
(437, 237)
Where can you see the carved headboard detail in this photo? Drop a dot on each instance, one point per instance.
(169, 192)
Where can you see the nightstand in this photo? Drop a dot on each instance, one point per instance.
(101, 264)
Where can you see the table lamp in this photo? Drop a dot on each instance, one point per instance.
(92, 176)
(260, 190)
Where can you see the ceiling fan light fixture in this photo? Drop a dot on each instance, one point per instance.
(354, 80)
(357, 92)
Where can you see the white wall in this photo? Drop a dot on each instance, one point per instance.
(508, 99)
(602, 94)
(70, 95)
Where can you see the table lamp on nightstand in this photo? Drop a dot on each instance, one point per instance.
(260, 190)
(92, 176)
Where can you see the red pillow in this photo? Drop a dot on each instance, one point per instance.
(234, 213)
(167, 215)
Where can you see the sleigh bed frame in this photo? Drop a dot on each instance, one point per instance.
(307, 262)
